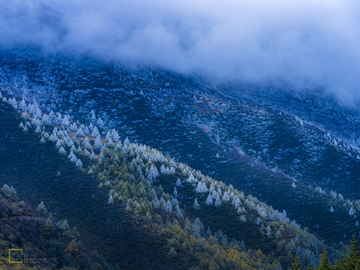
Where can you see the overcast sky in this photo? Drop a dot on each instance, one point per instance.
(311, 41)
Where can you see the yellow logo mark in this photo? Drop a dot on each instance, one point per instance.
(15, 255)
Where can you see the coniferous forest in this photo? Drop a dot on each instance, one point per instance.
(200, 135)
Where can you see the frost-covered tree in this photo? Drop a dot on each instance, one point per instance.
(217, 201)
(175, 193)
(191, 179)
(115, 135)
(90, 171)
(178, 182)
(209, 200)
(111, 199)
(62, 151)
(41, 209)
(65, 122)
(80, 132)
(201, 188)
(100, 122)
(196, 204)
(10, 190)
(72, 157)
(172, 253)
(168, 207)
(332, 209)
(79, 163)
(352, 211)
(293, 185)
(153, 173)
(95, 132)
(74, 127)
(110, 142)
(98, 142)
(226, 197)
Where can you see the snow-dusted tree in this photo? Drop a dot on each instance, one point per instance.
(38, 129)
(79, 163)
(92, 155)
(196, 204)
(115, 135)
(191, 179)
(110, 142)
(98, 142)
(73, 148)
(10, 190)
(74, 127)
(86, 130)
(201, 187)
(72, 157)
(126, 142)
(65, 122)
(162, 169)
(101, 156)
(41, 209)
(175, 193)
(172, 253)
(217, 201)
(90, 171)
(178, 212)
(178, 182)
(108, 136)
(242, 218)
(100, 122)
(88, 145)
(352, 211)
(209, 200)
(226, 197)
(95, 132)
(58, 144)
(80, 132)
(155, 202)
(332, 209)
(293, 185)
(62, 151)
(153, 173)
(111, 199)
(168, 207)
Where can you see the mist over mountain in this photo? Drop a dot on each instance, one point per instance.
(305, 43)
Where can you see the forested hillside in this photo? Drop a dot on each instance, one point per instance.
(130, 199)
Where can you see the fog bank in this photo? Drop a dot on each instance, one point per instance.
(305, 42)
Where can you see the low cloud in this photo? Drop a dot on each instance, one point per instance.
(304, 42)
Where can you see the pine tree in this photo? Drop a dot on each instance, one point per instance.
(209, 200)
(324, 262)
(41, 209)
(296, 264)
(353, 258)
(48, 228)
(196, 204)
(111, 199)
